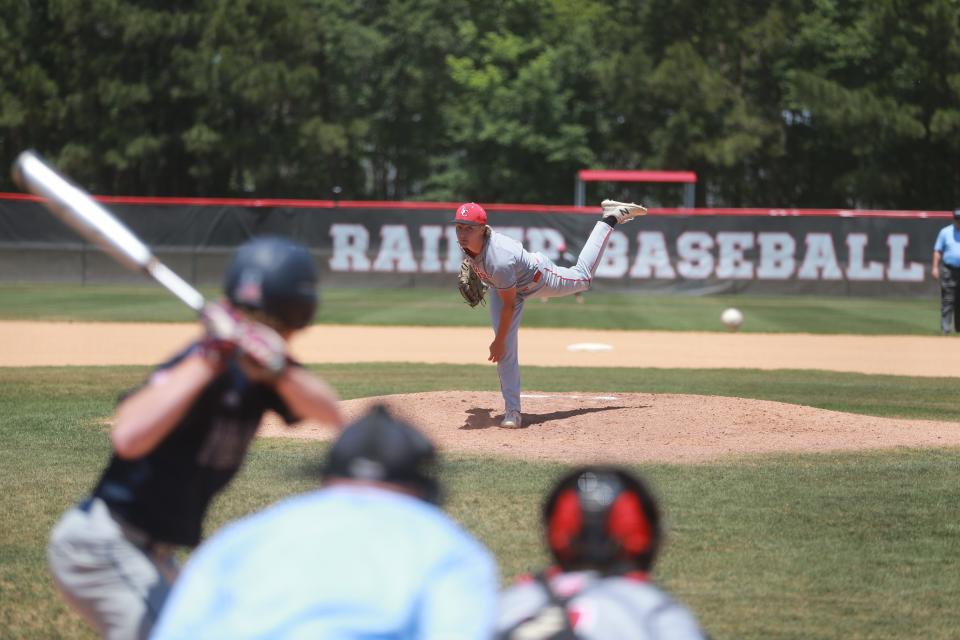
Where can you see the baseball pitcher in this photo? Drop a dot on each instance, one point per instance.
(515, 274)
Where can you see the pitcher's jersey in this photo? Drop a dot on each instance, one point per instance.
(504, 263)
(597, 608)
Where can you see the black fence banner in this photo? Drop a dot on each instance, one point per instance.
(693, 251)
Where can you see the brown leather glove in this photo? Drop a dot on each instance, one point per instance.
(471, 287)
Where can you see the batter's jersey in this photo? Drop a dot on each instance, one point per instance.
(948, 244)
(504, 263)
(167, 491)
(346, 562)
(596, 608)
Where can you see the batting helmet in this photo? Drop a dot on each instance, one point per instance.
(276, 277)
(604, 518)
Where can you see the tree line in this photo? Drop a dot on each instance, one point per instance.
(773, 103)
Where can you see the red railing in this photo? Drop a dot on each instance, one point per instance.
(387, 205)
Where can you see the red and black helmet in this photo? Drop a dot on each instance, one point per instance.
(604, 518)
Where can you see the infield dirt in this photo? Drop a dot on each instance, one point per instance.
(573, 427)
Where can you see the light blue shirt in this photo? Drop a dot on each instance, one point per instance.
(343, 563)
(948, 244)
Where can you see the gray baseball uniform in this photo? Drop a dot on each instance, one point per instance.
(595, 608)
(505, 264)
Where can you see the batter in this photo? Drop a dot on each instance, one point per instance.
(179, 440)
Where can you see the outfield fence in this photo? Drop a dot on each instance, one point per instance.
(412, 244)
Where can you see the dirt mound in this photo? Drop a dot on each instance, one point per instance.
(572, 427)
(636, 427)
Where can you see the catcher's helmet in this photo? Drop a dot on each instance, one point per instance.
(381, 448)
(276, 277)
(604, 518)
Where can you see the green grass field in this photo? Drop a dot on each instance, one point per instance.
(441, 307)
(786, 546)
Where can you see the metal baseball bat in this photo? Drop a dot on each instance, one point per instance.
(87, 217)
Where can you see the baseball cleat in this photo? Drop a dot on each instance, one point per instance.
(511, 420)
(622, 211)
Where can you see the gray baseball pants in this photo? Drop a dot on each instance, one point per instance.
(110, 572)
(554, 282)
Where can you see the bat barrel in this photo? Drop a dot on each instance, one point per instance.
(176, 285)
(80, 211)
(77, 209)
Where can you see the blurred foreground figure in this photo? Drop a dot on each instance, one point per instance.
(369, 555)
(179, 439)
(603, 529)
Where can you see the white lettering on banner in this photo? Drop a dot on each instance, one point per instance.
(820, 260)
(898, 271)
(693, 251)
(653, 259)
(730, 261)
(431, 235)
(396, 251)
(430, 260)
(777, 260)
(547, 241)
(725, 255)
(514, 232)
(615, 258)
(350, 244)
(454, 252)
(856, 270)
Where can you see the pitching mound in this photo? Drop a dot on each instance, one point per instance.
(636, 427)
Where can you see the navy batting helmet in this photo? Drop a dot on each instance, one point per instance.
(275, 277)
(604, 518)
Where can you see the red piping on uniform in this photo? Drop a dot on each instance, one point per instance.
(603, 245)
(592, 269)
(567, 279)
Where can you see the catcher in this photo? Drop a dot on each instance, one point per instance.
(515, 274)
(180, 438)
(603, 528)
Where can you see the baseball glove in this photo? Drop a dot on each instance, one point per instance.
(470, 286)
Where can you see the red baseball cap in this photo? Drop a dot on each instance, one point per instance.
(470, 213)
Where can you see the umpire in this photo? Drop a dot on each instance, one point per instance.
(946, 268)
(368, 555)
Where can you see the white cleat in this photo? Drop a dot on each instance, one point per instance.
(622, 211)
(511, 420)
